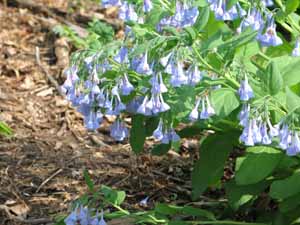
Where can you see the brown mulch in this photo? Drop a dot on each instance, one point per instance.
(42, 164)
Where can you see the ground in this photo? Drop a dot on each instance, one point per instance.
(42, 163)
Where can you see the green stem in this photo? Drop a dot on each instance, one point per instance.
(204, 62)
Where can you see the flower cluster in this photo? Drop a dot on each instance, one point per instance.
(82, 216)
(257, 18)
(144, 78)
(258, 130)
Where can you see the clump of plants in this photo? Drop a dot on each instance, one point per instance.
(227, 66)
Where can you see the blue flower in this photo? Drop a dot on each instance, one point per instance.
(143, 66)
(122, 56)
(294, 147)
(244, 115)
(158, 132)
(247, 135)
(256, 129)
(266, 139)
(144, 107)
(194, 75)
(194, 115)
(178, 77)
(245, 91)
(284, 137)
(125, 86)
(118, 130)
(144, 202)
(147, 7)
(109, 3)
(207, 110)
(157, 84)
(270, 38)
(92, 120)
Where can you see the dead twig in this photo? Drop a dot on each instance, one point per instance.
(48, 179)
(45, 71)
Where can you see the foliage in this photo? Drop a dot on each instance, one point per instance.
(210, 69)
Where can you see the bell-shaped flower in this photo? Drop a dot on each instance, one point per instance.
(178, 78)
(92, 120)
(210, 110)
(273, 131)
(118, 130)
(194, 75)
(84, 216)
(244, 115)
(72, 77)
(256, 128)
(158, 132)
(245, 91)
(194, 115)
(190, 17)
(125, 86)
(284, 137)
(144, 202)
(148, 6)
(294, 147)
(266, 139)
(72, 219)
(122, 56)
(144, 67)
(143, 109)
(158, 85)
(164, 61)
(270, 38)
(204, 114)
(247, 135)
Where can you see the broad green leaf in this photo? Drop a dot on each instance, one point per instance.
(114, 196)
(291, 6)
(292, 100)
(273, 79)
(224, 101)
(240, 40)
(213, 154)
(284, 188)
(5, 130)
(137, 133)
(202, 19)
(240, 195)
(258, 164)
(289, 68)
(161, 149)
(290, 203)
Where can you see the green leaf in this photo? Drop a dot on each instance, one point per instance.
(289, 68)
(137, 133)
(88, 181)
(209, 168)
(113, 196)
(290, 203)
(240, 195)
(224, 101)
(161, 149)
(230, 3)
(258, 164)
(292, 100)
(291, 6)
(202, 19)
(171, 210)
(282, 189)
(191, 35)
(4, 129)
(273, 79)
